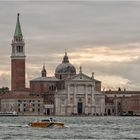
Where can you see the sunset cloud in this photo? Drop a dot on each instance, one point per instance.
(108, 54)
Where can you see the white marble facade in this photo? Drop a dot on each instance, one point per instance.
(79, 97)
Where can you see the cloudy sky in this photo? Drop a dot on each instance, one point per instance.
(101, 36)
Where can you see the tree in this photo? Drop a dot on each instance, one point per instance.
(4, 90)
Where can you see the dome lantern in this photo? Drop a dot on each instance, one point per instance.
(65, 58)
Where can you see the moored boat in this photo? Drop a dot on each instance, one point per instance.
(46, 123)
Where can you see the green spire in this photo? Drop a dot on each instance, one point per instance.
(18, 32)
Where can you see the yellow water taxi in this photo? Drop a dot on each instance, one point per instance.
(46, 123)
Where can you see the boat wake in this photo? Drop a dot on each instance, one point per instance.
(18, 126)
(13, 125)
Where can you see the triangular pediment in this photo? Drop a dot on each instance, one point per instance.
(80, 77)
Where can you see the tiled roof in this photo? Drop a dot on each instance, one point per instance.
(18, 95)
(45, 79)
(122, 92)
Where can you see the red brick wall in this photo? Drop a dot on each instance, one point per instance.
(17, 74)
(134, 104)
(41, 87)
(49, 99)
(131, 104)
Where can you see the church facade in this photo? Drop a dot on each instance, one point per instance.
(79, 97)
(65, 93)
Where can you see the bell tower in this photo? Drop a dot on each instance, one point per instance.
(18, 60)
(43, 72)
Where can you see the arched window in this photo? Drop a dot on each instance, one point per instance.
(19, 49)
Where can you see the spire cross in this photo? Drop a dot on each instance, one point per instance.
(65, 52)
(43, 66)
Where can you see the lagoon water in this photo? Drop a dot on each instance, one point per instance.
(104, 128)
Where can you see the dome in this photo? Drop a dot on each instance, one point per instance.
(65, 67)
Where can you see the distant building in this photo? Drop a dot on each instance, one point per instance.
(23, 103)
(122, 102)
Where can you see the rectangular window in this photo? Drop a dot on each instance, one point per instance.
(71, 100)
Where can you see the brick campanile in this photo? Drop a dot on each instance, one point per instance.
(18, 60)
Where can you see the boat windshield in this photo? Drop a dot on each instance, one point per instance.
(49, 120)
(46, 120)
